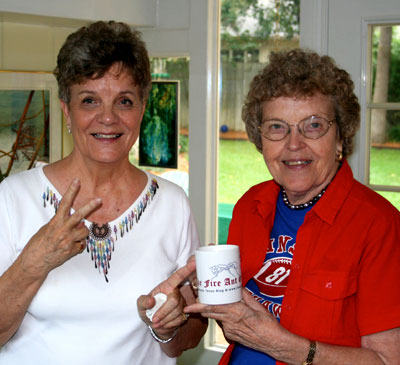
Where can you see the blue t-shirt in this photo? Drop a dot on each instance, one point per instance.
(269, 284)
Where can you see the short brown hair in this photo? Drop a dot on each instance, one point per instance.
(303, 73)
(89, 52)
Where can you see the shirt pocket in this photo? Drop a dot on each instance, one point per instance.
(329, 298)
(330, 285)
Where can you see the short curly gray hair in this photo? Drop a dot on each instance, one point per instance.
(89, 52)
(302, 73)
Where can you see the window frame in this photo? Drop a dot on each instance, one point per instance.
(366, 95)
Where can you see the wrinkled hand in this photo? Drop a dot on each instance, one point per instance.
(60, 239)
(170, 316)
(246, 322)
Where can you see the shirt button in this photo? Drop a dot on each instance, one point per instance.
(328, 285)
(297, 266)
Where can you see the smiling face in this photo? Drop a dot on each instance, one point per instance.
(302, 166)
(105, 115)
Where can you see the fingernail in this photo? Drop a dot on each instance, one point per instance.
(98, 200)
(76, 181)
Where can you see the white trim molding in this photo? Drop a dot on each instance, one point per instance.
(314, 24)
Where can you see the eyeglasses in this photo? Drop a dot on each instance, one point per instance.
(312, 127)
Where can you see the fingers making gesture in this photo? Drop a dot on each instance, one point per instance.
(63, 237)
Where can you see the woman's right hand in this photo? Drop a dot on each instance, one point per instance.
(63, 237)
(54, 243)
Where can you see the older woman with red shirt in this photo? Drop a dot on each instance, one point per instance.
(320, 251)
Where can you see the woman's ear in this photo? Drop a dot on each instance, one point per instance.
(339, 145)
(339, 150)
(65, 110)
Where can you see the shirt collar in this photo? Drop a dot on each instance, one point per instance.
(265, 199)
(327, 207)
(336, 193)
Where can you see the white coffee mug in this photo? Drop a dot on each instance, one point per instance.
(218, 274)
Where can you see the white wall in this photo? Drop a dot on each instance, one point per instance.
(134, 12)
(170, 37)
(30, 47)
(32, 32)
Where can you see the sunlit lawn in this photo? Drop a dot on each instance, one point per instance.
(242, 166)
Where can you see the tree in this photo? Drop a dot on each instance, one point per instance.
(380, 94)
(280, 17)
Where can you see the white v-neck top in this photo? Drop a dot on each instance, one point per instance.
(76, 316)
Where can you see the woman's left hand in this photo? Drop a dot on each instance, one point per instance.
(170, 316)
(246, 322)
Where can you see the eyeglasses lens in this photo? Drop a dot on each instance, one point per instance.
(312, 127)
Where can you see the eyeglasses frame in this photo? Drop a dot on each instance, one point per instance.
(330, 122)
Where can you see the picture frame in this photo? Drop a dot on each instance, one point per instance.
(30, 121)
(159, 131)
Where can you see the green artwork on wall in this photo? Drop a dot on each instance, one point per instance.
(158, 140)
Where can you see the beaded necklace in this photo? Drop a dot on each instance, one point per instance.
(304, 205)
(101, 240)
(313, 200)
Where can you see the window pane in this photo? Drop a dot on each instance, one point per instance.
(386, 64)
(385, 118)
(385, 157)
(385, 128)
(250, 31)
(394, 198)
(240, 167)
(384, 168)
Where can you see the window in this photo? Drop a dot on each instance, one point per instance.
(383, 111)
(249, 32)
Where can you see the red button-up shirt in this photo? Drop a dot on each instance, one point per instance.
(344, 280)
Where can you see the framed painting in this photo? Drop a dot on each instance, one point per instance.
(158, 139)
(30, 125)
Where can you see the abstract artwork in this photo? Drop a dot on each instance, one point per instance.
(158, 140)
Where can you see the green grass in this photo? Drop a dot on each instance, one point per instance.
(385, 170)
(242, 166)
(385, 166)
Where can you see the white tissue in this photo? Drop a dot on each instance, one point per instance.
(160, 298)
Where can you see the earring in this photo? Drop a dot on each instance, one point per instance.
(69, 128)
(340, 157)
